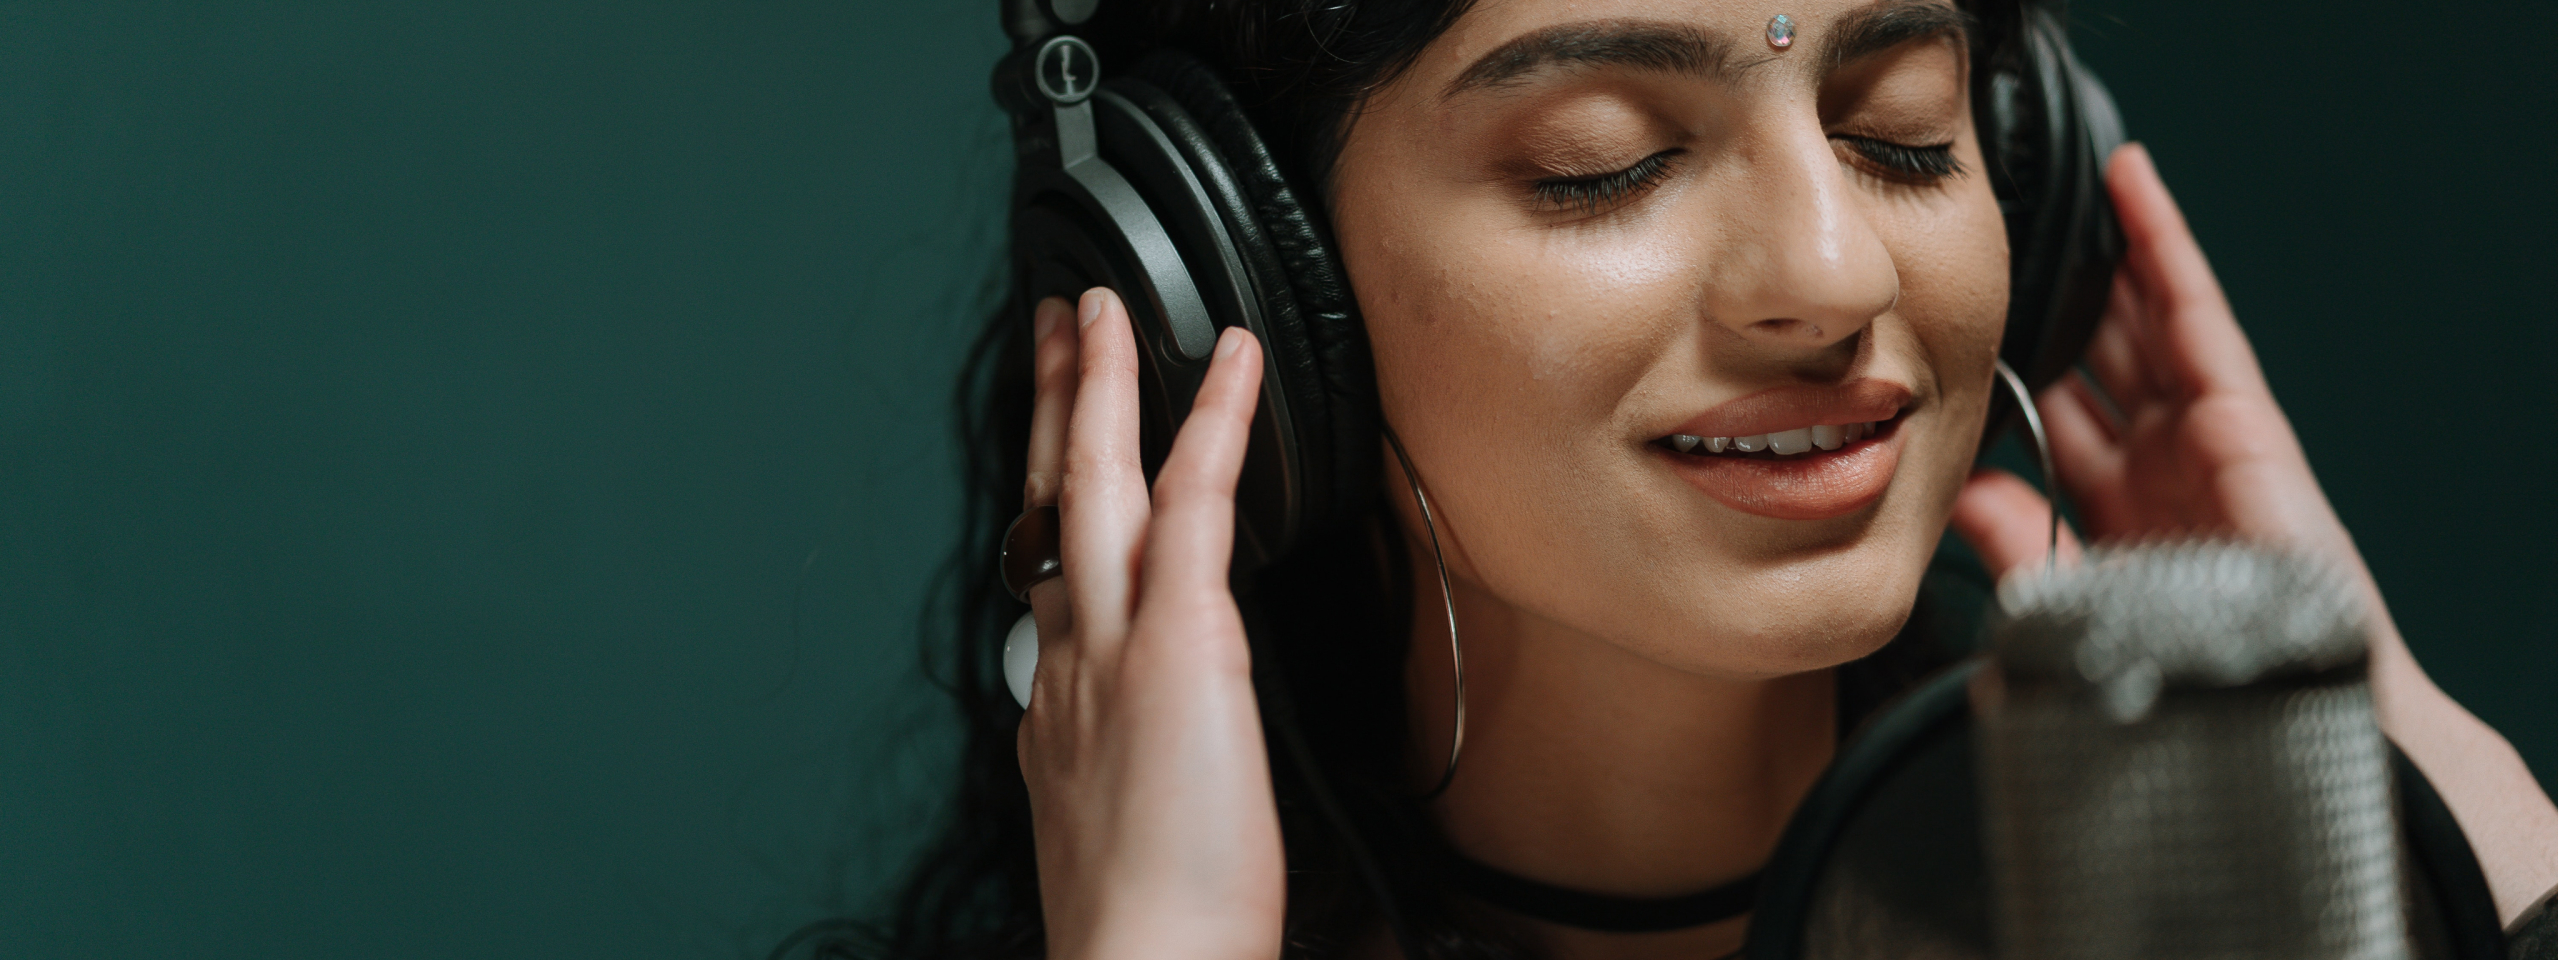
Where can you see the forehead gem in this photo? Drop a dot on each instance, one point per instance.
(1781, 32)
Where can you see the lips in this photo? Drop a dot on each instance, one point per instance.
(1863, 400)
(1819, 483)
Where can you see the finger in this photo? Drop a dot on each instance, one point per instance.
(1193, 535)
(2113, 354)
(1102, 503)
(1054, 349)
(2007, 522)
(2087, 452)
(2192, 333)
(1053, 346)
(1055, 616)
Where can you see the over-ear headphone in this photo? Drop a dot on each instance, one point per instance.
(1154, 183)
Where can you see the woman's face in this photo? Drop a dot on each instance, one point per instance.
(1580, 229)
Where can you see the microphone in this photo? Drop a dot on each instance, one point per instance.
(2178, 758)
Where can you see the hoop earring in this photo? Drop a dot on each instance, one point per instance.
(2043, 457)
(1447, 598)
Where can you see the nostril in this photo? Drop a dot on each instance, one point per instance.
(1789, 327)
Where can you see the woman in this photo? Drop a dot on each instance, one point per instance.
(1596, 280)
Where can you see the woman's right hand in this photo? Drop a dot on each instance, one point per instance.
(1149, 785)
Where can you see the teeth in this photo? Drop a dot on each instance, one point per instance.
(1825, 436)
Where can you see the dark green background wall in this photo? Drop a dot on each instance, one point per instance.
(467, 474)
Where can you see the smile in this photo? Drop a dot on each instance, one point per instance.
(1836, 457)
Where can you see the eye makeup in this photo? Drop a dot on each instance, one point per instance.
(1582, 146)
(1904, 162)
(1593, 194)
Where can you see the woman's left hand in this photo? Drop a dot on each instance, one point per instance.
(2201, 449)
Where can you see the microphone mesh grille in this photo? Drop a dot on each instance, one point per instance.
(2239, 807)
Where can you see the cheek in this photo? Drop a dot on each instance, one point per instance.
(1474, 319)
(1954, 290)
(1953, 263)
(1579, 318)
(1504, 360)
(1954, 276)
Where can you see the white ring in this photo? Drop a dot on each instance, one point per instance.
(1021, 658)
(1066, 70)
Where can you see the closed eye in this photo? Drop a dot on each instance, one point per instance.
(1900, 161)
(1592, 194)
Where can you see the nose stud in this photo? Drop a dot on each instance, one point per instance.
(1781, 31)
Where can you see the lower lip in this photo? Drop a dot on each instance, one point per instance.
(1815, 486)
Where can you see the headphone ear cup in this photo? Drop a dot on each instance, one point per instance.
(2054, 127)
(1320, 366)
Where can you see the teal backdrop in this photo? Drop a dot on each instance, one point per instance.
(469, 471)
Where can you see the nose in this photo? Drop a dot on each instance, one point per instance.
(1801, 265)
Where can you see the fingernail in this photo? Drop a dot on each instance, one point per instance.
(1090, 309)
(1230, 341)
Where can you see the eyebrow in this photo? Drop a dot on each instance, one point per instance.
(1870, 30)
(1642, 44)
(1679, 48)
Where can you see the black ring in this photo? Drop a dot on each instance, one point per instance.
(1030, 551)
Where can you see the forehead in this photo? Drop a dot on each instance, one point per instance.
(1508, 43)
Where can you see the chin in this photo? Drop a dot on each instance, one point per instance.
(1768, 650)
(1845, 636)
(1780, 616)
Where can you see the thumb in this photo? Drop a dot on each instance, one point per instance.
(2007, 522)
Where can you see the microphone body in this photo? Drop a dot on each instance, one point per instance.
(2178, 758)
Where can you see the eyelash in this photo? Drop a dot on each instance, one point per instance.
(1922, 164)
(1590, 195)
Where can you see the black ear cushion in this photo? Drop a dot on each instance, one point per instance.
(1315, 338)
(2059, 129)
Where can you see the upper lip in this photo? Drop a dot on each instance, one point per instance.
(1862, 400)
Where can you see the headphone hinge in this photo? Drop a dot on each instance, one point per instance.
(1077, 144)
(1048, 89)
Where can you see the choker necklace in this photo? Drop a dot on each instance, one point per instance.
(1607, 913)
